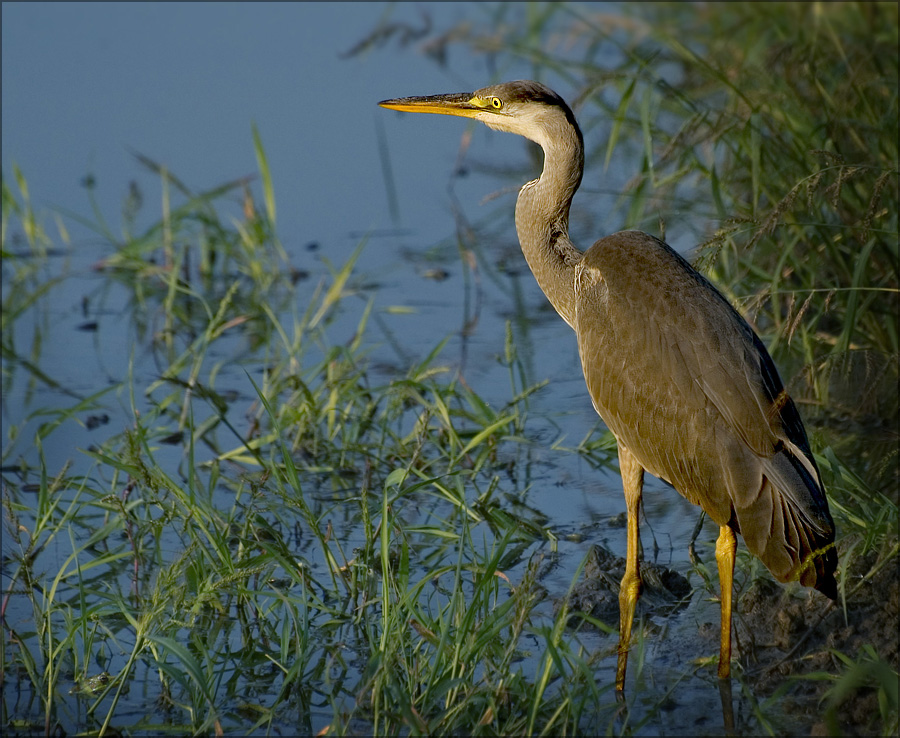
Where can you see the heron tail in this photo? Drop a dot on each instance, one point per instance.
(788, 525)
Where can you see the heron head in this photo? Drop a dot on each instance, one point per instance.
(524, 107)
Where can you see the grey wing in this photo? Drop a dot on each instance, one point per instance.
(687, 386)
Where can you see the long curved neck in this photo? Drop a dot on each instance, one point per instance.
(542, 219)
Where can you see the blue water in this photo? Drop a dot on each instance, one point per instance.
(85, 85)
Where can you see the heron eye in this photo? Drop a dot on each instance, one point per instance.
(496, 103)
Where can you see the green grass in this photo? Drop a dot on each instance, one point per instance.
(325, 547)
(767, 134)
(339, 550)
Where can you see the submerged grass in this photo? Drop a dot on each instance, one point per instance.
(285, 540)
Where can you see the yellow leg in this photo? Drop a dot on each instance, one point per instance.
(633, 482)
(726, 546)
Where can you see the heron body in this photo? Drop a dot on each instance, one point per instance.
(679, 377)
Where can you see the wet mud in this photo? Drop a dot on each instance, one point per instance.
(783, 634)
(792, 632)
(663, 591)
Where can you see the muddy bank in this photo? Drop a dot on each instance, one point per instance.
(790, 632)
(785, 633)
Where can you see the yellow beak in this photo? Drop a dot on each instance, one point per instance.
(463, 104)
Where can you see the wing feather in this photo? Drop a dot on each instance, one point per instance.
(683, 381)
